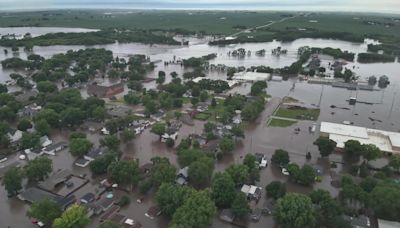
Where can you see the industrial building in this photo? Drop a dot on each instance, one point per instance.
(386, 141)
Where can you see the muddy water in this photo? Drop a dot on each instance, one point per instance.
(259, 137)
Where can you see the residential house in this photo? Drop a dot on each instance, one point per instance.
(105, 203)
(31, 154)
(45, 141)
(29, 110)
(81, 162)
(56, 179)
(182, 177)
(105, 91)
(153, 212)
(157, 116)
(54, 148)
(388, 224)
(361, 221)
(211, 146)
(227, 215)
(118, 110)
(92, 126)
(34, 195)
(130, 223)
(252, 192)
(88, 198)
(14, 136)
(26, 97)
(94, 153)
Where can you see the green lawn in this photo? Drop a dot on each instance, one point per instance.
(300, 114)
(202, 116)
(281, 123)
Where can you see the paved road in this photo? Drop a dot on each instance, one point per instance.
(264, 26)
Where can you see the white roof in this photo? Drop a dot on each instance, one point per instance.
(251, 76)
(345, 130)
(387, 224)
(245, 189)
(340, 133)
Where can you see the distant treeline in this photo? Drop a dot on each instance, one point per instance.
(287, 36)
(90, 38)
(335, 53)
(375, 58)
(389, 49)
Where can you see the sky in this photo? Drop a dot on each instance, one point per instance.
(389, 6)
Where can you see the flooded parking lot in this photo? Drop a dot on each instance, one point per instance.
(259, 137)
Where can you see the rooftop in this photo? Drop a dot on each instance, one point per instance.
(385, 140)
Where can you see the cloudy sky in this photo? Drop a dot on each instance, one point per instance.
(312, 5)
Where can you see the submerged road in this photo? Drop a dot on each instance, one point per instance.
(264, 26)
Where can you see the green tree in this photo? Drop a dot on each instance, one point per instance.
(395, 162)
(110, 141)
(294, 210)
(325, 146)
(280, 157)
(99, 113)
(371, 152)
(223, 189)
(74, 217)
(158, 129)
(200, 171)
(276, 189)
(251, 162)
(258, 88)
(46, 87)
(226, 145)
(42, 127)
(197, 211)
(162, 171)
(124, 171)
(12, 180)
(79, 146)
(237, 131)
(239, 173)
(45, 211)
(170, 197)
(24, 124)
(385, 201)
(38, 169)
(368, 184)
(353, 148)
(100, 165)
(30, 140)
(51, 116)
(240, 206)
(328, 210)
(127, 135)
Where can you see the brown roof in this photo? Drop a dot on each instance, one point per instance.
(105, 91)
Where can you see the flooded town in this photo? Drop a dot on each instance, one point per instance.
(197, 130)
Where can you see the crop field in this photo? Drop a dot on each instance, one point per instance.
(210, 22)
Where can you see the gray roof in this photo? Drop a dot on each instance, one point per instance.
(227, 215)
(95, 153)
(55, 146)
(55, 179)
(359, 222)
(33, 195)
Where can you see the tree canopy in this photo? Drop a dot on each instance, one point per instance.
(45, 210)
(74, 217)
(294, 210)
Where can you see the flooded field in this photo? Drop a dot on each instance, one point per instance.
(259, 137)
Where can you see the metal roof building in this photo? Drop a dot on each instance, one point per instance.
(385, 140)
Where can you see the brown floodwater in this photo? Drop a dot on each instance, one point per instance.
(259, 138)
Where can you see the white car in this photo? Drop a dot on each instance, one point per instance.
(285, 172)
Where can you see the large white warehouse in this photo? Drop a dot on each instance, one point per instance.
(386, 141)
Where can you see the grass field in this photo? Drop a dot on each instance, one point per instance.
(281, 123)
(300, 114)
(203, 116)
(210, 22)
